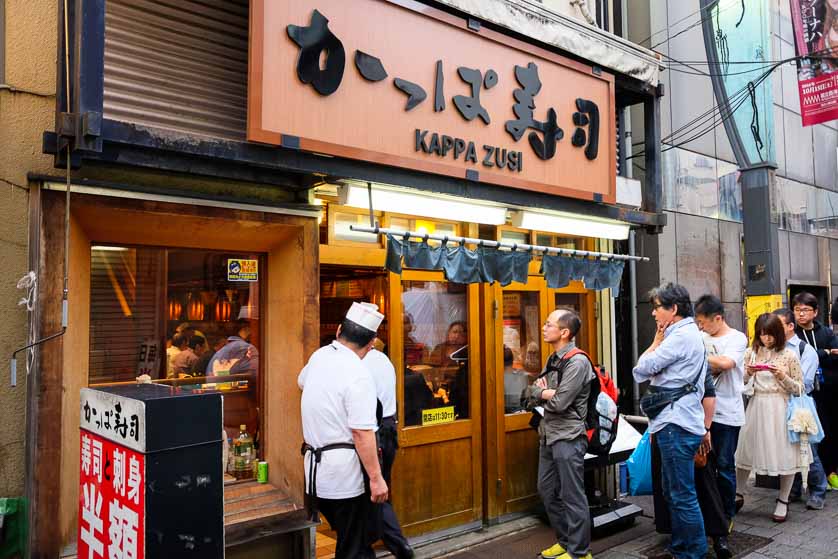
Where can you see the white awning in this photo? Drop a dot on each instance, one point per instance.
(567, 33)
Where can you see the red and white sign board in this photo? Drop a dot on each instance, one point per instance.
(111, 500)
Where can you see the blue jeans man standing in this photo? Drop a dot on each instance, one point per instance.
(678, 447)
(677, 357)
(725, 438)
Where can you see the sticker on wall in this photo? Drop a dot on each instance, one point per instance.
(239, 269)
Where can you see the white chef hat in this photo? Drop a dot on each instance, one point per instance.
(366, 315)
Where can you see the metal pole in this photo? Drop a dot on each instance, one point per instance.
(633, 315)
(484, 242)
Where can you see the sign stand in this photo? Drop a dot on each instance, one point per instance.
(151, 480)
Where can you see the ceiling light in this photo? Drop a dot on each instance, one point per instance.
(421, 204)
(571, 225)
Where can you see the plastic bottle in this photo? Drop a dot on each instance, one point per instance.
(243, 460)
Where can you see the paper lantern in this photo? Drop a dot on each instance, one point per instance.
(194, 308)
(175, 309)
(223, 309)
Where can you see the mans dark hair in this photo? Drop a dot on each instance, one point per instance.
(195, 341)
(508, 358)
(178, 340)
(805, 298)
(709, 306)
(771, 325)
(355, 333)
(785, 314)
(670, 295)
(570, 320)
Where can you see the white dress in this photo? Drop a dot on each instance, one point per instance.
(764, 445)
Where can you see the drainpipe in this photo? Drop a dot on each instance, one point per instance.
(633, 315)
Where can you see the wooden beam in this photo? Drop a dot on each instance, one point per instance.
(45, 385)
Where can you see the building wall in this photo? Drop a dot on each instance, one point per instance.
(30, 39)
(701, 245)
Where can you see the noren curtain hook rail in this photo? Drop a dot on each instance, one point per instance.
(496, 244)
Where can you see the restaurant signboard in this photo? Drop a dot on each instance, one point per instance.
(399, 83)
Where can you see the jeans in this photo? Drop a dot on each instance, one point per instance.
(724, 439)
(816, 479)
(561, 483)
(678, 447)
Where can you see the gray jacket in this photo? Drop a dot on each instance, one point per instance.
(564, 413)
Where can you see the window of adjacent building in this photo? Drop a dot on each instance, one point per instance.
(521, 346)
(186, 318)
(436, 351)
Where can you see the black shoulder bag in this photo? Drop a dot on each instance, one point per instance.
(657, 398)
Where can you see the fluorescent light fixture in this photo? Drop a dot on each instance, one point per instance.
(108, 248)
(421, 204)
(571, 225)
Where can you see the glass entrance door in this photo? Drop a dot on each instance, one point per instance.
(436, 352)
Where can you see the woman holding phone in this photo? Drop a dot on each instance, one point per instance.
(764, 446)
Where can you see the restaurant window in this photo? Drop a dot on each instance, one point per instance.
(558, 241)
(344, 220)
(521, 346)
(423, 226)
(436, 351)
(185, 318)
(340, 286)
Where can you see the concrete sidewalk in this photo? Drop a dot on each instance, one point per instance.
(805, 535)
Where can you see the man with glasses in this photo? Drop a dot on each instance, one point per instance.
(824, 342)
(677, 358)
(563, 392)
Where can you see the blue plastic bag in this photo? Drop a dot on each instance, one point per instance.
(804, 403)
(640, 467)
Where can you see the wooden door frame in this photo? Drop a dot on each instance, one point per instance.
(498, 423)
(418, 435)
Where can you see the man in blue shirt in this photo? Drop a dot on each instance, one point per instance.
(809, 364)
(677, 358)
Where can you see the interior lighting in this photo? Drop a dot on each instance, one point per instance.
(425, 205)
(566, 224)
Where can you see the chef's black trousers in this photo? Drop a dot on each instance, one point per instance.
(348, 517)
(382, 523)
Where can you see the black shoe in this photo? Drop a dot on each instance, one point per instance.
(721, 548)
(404, 552)
(740, 501)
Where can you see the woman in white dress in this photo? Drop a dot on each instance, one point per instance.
(764, 446)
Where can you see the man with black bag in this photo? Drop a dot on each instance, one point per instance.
(676, 365)
(562, 392)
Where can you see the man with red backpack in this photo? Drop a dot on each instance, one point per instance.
(563, 391)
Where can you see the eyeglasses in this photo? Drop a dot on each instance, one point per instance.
(656, 307)
(803, 310)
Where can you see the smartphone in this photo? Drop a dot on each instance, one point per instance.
(761, 367)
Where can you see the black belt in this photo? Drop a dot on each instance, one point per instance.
(316, 456)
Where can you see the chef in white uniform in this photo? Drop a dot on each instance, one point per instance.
(343, 475)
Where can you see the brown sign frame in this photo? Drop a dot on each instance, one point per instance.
(580, 171)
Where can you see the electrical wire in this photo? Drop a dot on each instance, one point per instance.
(686, 17)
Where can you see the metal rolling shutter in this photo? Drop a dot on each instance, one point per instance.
(178, 65)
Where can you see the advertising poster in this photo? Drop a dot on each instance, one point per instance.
(815, 24)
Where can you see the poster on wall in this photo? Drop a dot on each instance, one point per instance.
(815, 24)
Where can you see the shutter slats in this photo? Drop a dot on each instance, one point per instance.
(179, 65)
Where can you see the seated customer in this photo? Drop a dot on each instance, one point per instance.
(184, 361)
(515, 382)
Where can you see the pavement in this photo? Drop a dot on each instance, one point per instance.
(805, 535)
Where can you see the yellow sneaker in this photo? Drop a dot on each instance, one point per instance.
(832, 479)
(553, 551)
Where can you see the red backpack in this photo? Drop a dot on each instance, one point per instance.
(602, 397)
